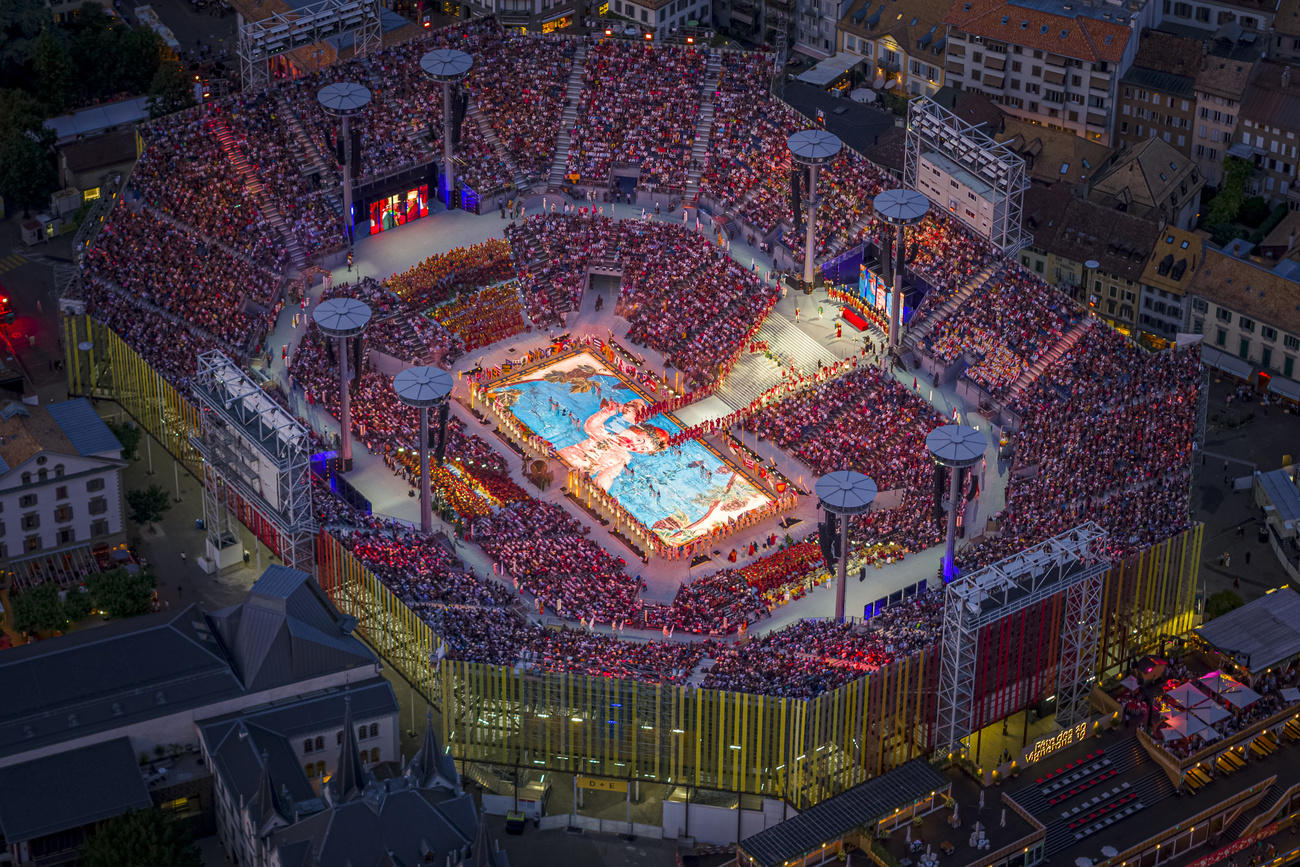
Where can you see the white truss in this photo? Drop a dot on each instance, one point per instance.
(282, 32)
(932, 128)
(1068, 563)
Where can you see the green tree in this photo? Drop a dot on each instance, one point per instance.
(141, 838)
(128, 435)
(27, 176)
(38, 609)
(148, 504)
(119, 593)
(21, 23)
(77, 604)
(139, 54)
(1226, 205)
(95, 40)
(1254, 211)
(171, 90)
(1221, 603)
(56, 72)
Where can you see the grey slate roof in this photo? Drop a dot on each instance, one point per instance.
(841, 814)
(70, 789)
(87, 432)
(1266, 629)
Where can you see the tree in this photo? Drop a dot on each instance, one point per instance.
(148, 504)
(38, 609)
(119, 593)
(95, 41)
(1226, 205)
(1221, 603)
(56, 73)
(21, 22)
(171, 90)
(138, 57)
(77, 604)
(129, 436)
(141, 838)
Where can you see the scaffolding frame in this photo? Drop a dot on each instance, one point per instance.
(260, 41)
(1068, 563)
(933, 128)
(240, 429)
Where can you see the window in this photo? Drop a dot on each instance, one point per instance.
(320, 742)
(1291, 342)
(1288, 366)
(361, 733)
(31, 521)
(374, 755)
(27, 478)
(1244, 349)
(374, 730)
(1223, 315)
(26, 501)
(1221, 338)
(95, 485)
(310, 767)
(1246, 324)
(306, 747)
(61, 492)
(98, 506)
(66, 535)
(32, 543)
(63, 514)
(338, 737)
(1268, 332)
(320, 769)
(99, 528)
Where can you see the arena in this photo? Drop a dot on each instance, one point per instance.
(615, 313)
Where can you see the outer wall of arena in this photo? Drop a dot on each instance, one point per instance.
(801, 750)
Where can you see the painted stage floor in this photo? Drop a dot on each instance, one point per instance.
(585, 409)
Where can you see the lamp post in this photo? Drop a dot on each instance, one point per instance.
(957, 447)
(343, 100)
(448, 67)
(342, 318)
(844, 493)
(899, 208)
(422, 388)
(812, 148)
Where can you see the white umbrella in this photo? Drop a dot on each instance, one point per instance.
(954, 812)
(1004, 817)
(1187, 695)
(1210, 714)
(862, 94)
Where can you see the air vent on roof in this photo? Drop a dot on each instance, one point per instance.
(1064, 33)
(1108, 39)
(965, 7)
(913, 24)
(159, 698)
(1043, 29)
(72, 720)
(28, 733)
(1006, 18)
(117, 708)
(1024, 25)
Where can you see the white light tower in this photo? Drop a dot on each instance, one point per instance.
(422, 388)
(343, 100)
(812, 148)
(343, 318)
(899, 208)
(844, 493)
(956, 447)
(449, 67)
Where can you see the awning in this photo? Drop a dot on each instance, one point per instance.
(825, 72)
(1285, 387)
(95, 120)
(1229, 364)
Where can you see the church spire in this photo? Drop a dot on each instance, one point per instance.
(350, 778)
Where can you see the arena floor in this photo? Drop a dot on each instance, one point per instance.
(798, 333)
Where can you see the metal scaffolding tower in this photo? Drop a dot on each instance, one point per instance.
(281, 32)
(1069, 564)
(255, 448)
(933, 129)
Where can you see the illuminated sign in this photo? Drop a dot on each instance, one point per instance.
(601, 785)
(1059, 741)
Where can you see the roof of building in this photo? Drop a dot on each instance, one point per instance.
(94, 120)
(1283, 496)
(1281, 241)
(916, 26)
(974, 108)
(70, 789)
(1063, 223)
(1273, 98)
(1052, 156)
(1144, 177)
(1224, 77)
(286, 630)
(133, 670)
(1246, 288)
(1070, 33)
(1170, 53)
(83, 427)
(834, 817)
(1174, 260)
(114, 148)
(1265, 630)
(1287, 20)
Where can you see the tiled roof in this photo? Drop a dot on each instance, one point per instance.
(1247, 288)
(1080, 37)
(1178, 253)
(1224, 76)
(1169, 52)
(1076, 229)
(917, 25)
(1269, 101)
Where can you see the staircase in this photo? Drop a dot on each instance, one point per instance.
(703, 128)
(1030, 374)
(754, 374)
(564, 137)
(475, 114)
(915, 335)
(257, 190)
(1251, 815)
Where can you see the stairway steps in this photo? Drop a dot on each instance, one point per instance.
(703, 127)
(569, 117)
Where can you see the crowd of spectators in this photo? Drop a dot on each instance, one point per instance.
(424, 572)
(638, 108)
(439, 277)
(483, 316)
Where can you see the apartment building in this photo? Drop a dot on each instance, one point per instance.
(60, 483)
(902, 42)
(1269, 132)
(1163, 301)
(1151, 179)
(1157, 96)
(1284, 45)
(1220, 88)
(1052, 156)
(1213, 16)
(1056, 63)
(1249, 312)
(816, 24)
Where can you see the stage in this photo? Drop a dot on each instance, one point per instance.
(583, 409)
